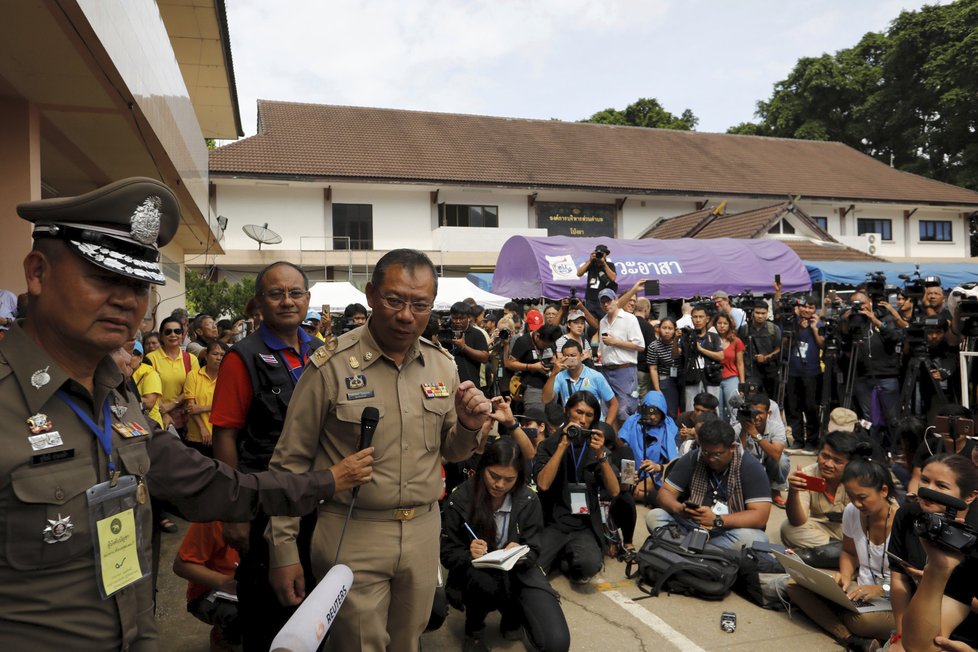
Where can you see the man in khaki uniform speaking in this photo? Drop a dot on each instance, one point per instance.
(392, 538)
(79, 459)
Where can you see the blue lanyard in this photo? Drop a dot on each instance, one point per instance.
(577, 478)
(104, 433)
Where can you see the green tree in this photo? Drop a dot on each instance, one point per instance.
(908, 96)
(217, 298)
(645, 112)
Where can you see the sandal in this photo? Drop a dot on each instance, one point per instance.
(168, 526)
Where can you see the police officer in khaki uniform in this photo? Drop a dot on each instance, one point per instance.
(79, 459)
(392, 539)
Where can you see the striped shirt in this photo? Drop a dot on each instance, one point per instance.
(659, 353)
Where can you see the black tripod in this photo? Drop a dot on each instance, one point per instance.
(920, 366)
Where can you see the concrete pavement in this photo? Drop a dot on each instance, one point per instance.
(603, 617)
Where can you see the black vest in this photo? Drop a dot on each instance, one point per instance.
(271, 391)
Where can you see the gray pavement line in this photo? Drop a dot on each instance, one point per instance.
(653, 622)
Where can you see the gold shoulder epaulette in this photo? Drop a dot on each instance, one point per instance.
(425, 340)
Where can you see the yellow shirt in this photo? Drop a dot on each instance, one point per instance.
(148, 382)
(172, 372)
(200, 388)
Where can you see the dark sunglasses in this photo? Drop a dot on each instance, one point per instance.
(173, 331)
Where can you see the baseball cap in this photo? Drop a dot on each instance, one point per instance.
(119, 227)
(308, 323)
(607, 293)
(575, 314)
(313, 314)
(720, 294)
(534, 320)
(842, 419)
(533, 413)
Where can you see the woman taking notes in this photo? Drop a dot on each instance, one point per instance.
(495, 510)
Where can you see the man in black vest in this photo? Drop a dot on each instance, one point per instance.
(252, 394)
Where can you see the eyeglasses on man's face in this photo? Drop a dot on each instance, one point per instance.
(278, 294)
(396, 303)
(714, 455)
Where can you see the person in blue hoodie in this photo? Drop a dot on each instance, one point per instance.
(651, 434)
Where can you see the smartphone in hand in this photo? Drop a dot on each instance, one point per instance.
(813, 483)
(691, 505)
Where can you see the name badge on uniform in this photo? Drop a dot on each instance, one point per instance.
(116, 534)
(353, 396)
(720, 509)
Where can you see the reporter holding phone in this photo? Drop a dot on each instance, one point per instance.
(815, 517)
(864, 569)
(955, 476)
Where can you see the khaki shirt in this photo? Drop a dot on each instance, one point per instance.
(48, 593)
(415, 431)
(818, 506)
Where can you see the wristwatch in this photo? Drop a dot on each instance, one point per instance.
(603, 457)
(718, 522)
(886, 591)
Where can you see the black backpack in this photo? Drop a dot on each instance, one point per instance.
(762, 579)
(664, 564)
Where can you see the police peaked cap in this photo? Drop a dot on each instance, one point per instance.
(119, 227)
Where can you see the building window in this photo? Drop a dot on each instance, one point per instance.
(883, 227)
(467, 215)
(783, 227)
(353, 221)
(935, 231)
(822, 221)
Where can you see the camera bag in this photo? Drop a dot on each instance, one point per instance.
(762, 578)
(663, 564)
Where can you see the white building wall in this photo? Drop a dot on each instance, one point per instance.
(401, 218)
(290, 211)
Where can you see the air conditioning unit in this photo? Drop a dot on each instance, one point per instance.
(867, 242)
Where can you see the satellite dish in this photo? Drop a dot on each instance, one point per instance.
(261, 234)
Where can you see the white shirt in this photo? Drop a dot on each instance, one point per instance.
(874, 567)
(686, 321)
(501, 518)
(624, 327)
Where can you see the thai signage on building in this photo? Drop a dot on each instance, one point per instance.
(577, 220)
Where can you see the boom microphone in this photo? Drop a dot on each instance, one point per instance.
(306, 629)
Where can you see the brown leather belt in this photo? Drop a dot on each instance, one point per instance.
(612, 367)
(402, 514)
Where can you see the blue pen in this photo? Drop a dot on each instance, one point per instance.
(470, 530)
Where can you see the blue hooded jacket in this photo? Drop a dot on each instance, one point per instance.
(663, 445)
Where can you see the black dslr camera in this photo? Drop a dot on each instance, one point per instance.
(573, 301)
(577, 435)
(942, 529)
(645, 414)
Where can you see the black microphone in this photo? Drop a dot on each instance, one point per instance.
(369, 419)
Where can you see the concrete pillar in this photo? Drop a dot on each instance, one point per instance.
(20, 180)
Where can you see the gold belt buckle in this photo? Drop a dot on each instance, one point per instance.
(404, 515)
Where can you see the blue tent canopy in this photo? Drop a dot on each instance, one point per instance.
(827, 271)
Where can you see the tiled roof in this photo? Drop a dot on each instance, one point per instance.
(754, 224)
(810, 250)
(340, 142)
(680, 226)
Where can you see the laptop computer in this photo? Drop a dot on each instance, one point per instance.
(820, 582)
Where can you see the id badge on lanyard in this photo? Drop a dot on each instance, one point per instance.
(117, 535)
(578, 498)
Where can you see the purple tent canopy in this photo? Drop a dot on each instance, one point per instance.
(547, 267)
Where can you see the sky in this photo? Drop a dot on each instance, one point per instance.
(563, 59)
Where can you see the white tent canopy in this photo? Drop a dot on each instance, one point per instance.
(451, 290)
(338, 294)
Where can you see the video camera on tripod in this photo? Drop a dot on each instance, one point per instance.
(943, 529)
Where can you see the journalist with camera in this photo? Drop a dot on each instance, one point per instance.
(804, 342)
(569, 375)
(600, 275)
(531, 356)
(651, 435)
(765, 443)
(702, 353)
(571, 466)
(466, 344)
(763, 340)
(939, 566)
(872, 338)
